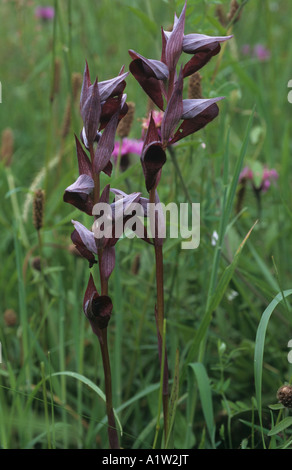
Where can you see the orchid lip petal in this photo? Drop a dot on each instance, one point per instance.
(153, 159)
(97, 308)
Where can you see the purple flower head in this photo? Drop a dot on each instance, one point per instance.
(110, 222)
(157, 77)
(164, 85)
(246, 174)
(261, 52)
(269, 176)
(45, 13)
(99, 102)
(260, 177)
(128, 146)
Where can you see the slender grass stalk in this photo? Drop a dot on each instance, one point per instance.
(15, 207)
(46, 406)
(26, 350)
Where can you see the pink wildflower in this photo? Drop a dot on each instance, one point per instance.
(45, 13)
(157, 118)
(128, 146)
(268, 176)
(124, 149)
(261, 52)
(246, 174)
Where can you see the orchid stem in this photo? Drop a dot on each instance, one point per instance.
(160, 320)
(112, 431)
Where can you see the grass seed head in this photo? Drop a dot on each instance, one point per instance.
(38, 208)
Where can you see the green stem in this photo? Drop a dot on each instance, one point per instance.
(46, 406)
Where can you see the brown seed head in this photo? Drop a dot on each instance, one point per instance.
(7, 143)
(36, 263)
(125, 124)
(195, 87)
(284, 395)
(233, 11)
(10, 317)
(220, 13)
(56, 79)
(76, 85)
(38, 208)
(67, 119)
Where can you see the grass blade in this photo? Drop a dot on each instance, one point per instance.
(259, 349)
(205, 396)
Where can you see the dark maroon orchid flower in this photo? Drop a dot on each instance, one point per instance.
(111, 220)
(84, 241)
(100, 101)
(79, 194)
(157, 78)
(181, 118)
(202, 47)
(197, 113)
(153, 156)
(151, 75)
(97, 308)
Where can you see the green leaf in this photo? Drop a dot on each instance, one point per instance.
(205, 396)
(173, 398)
(260, 344)
(91, 385)
(284, 424)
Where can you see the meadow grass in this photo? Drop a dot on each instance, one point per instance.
(228, 306)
